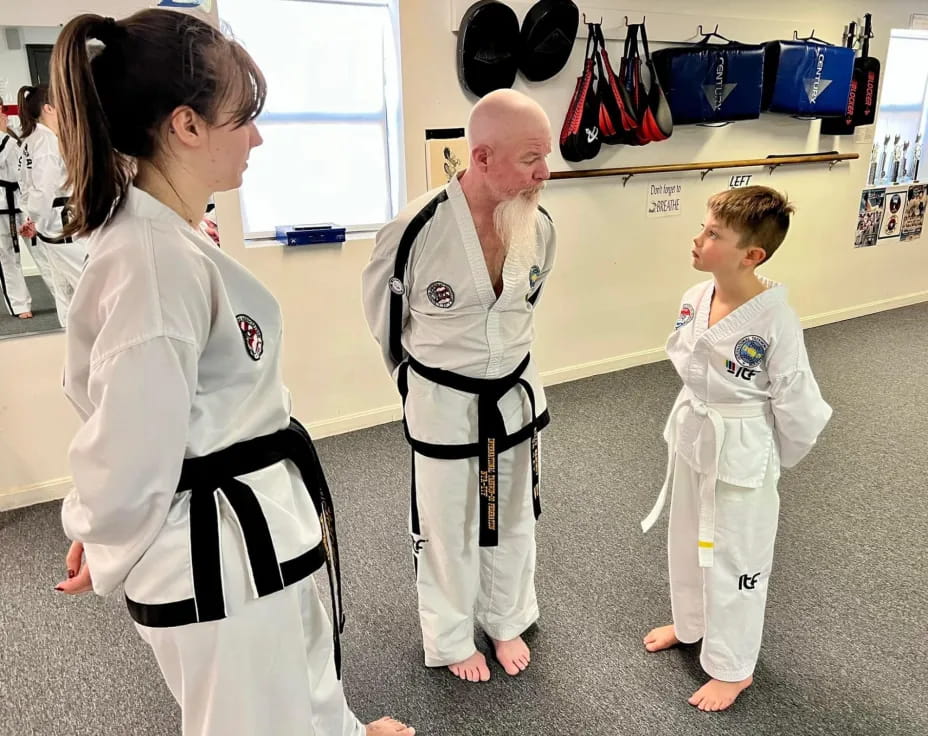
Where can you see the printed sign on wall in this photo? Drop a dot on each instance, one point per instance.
(665, 199)
(913, 218)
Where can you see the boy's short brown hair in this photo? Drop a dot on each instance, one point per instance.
(760, 215)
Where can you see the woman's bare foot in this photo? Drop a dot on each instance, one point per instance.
(25, 315)
(388, 727)
(663, 637)
(472, 669)
(514, 655)
(718, 695)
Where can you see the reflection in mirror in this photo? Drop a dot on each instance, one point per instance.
(38, 268)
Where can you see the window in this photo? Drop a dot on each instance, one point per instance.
(903, 111)
(331, 125)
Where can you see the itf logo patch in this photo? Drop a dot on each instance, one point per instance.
(739, 371)
(751, 351)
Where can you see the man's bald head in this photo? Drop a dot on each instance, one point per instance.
(509, 136)
(505, 115)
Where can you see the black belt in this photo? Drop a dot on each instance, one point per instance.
(493, 438)
(9, 188)
(63, 203)
(204, 476)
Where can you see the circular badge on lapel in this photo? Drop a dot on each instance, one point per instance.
(440, 294)
(397, 287)
(488, 47)
(534, 275)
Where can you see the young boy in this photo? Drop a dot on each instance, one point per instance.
(749, 406)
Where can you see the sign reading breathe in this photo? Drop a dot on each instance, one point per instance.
(665, 200)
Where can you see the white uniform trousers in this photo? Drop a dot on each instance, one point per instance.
(267, 668)
(724, 604)
(457, 580)
(66, 261)
(16, 297)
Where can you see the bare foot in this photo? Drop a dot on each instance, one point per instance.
(25, 315)
(718, 695)
(388, 727)
(472, 669)
(514, 655)
(663, 637)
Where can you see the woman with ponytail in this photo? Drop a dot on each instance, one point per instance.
(193, 487)
(42, 184)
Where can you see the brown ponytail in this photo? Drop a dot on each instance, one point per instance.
(31, 100)
(112, 104)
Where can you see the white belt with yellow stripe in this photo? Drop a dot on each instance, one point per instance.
(716, 414)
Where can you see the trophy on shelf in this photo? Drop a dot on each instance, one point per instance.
(916, 158)
(897, 158)
(874, 163)
(905, 162)
(884, 155)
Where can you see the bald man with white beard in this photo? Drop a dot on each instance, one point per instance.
(450, 295)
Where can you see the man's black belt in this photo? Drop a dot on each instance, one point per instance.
(204, 477)
(493, 439)
(9, 191)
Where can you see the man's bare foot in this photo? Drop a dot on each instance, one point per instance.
(472, 669)
(718, 695)
(388, 727)
(25, 315)
(514, 655)
(663, 637)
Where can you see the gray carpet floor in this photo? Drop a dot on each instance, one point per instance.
(845, 648)
(45, 317)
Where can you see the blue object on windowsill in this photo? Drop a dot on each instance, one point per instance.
(326, 232)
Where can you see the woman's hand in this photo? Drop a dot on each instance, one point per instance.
(27, 230)
(78, 573)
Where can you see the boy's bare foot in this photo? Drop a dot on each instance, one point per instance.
(388, 727)
(514, 655)
(25, 315)
(718, 695)
(663, 637)
(472, 669)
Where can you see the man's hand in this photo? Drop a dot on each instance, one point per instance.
(78, 573)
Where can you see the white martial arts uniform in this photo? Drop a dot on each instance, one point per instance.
(43, 186)
(13, 289)
(173, 355)
(748, 406)
(439, 311)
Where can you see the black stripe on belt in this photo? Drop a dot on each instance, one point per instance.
(206, 477)
(493, 439)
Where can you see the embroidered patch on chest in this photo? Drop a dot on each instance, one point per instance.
(252, 335)
(440, 294)
(751, 351)
(533, 275)
(739, 371)
(687, 314)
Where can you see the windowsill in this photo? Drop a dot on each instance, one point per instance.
(269, 242)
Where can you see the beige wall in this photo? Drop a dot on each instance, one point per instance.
(619, 276)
